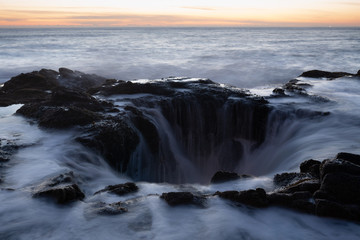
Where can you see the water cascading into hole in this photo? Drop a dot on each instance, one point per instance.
(188, 139)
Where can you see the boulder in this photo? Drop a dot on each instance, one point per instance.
(102, 208)
(326, 208)
(350, 157)
(37, 86)
(43, 80)
(297, 200)
(61, 189)
(309, 185)
(120, 189)
(78, 80)
(279, 92)
(324, 74)
(182, 198)
(311, 166)
(342, 186)
(222, 176)
(338, 166)
(284, 179)
(255, 198)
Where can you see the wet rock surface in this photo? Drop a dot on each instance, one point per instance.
(102, 208)
(222, 176)
(325, 74)
(182, 198)
(62, 189)
(120, 189)
(255, 198)
(332, 193)
(37, 86)
(118, 130)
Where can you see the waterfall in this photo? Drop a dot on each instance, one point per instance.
(187, 138)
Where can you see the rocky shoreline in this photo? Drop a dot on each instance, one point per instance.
(71, 99)
(327, 189)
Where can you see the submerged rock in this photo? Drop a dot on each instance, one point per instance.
(102, 208)
(120, 189)
(182, 198)
(7, 149)
(61, 189)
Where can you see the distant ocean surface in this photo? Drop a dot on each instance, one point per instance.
(244, 57)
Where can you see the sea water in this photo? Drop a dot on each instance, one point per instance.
(241, 57)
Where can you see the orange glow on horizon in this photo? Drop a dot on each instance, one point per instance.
(286, 14)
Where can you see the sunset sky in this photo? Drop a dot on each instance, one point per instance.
(112, 13)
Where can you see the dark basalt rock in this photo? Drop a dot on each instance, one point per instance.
(65, 108)
(61, 189)
(337, 166)
(349, 157)
(102, 208)
(342, 186)
(255, 198)
(38, 85)
(310, 185)
(311, 166)
(326, 208)
(120, 189)
(299, 201)
(122, 87)
(324, 74)
(284, 179)
(7, 149)
(182, 198)
(77, 80)
(114, 139)
(80, 99)
(42, 80)
(146, 128)
(58, 117)
(279, 92)
(222, 176)
(295, 87)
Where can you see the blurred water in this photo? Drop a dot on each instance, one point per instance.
(244, 57)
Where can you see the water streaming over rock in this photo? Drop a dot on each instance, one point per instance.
(178, 135)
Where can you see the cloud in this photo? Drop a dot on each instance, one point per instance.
(349, 3)
(199, 8)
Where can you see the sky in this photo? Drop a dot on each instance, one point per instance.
(243, 13)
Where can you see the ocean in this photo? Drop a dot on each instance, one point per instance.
(243, 57)
(258, 59)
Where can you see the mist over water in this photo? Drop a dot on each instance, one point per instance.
(244, 57)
